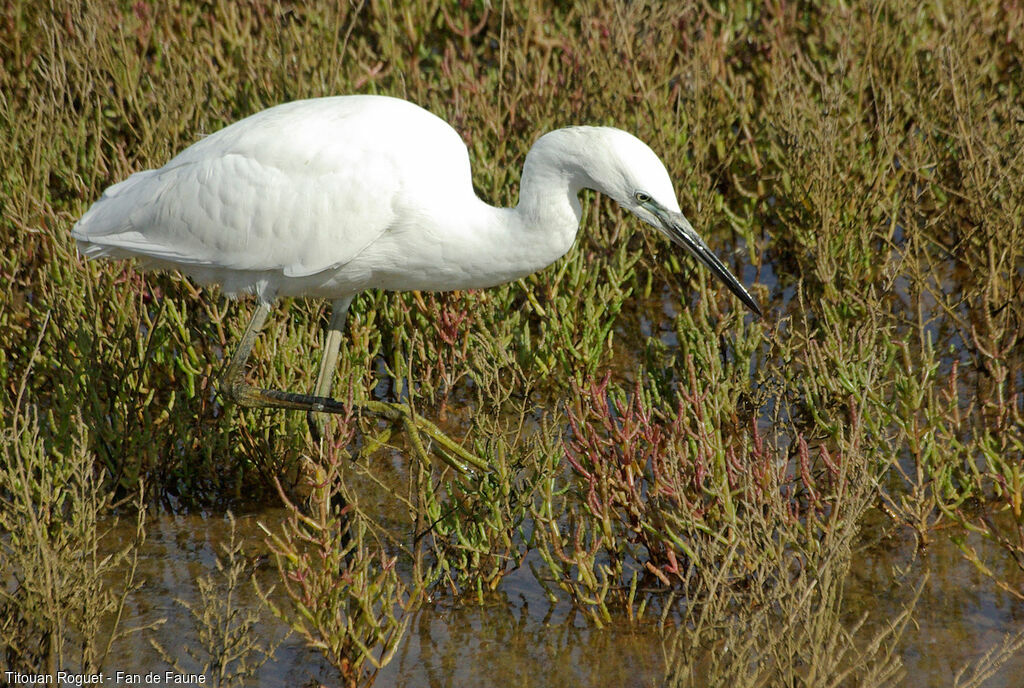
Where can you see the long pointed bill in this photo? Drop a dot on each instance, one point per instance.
(678, 229)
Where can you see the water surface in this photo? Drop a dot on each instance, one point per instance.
(517, 638)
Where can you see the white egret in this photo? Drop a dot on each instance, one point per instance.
(331, 196)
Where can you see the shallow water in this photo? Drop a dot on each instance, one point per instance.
(518, 639)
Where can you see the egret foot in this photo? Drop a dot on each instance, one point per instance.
(235, 388)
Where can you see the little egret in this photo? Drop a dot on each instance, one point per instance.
(331, 196)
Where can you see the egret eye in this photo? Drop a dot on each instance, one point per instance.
(641, 197)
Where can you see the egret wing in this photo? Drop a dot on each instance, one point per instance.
(299, 188)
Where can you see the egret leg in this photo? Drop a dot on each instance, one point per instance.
(232, 383)
(236, 389)
(329, 361)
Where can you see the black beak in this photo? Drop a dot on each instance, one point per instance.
(678, 229)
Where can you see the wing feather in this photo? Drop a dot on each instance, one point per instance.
(299, 188)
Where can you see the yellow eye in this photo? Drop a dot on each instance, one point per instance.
(641, 197)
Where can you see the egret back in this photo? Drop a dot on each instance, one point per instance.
(291, 191)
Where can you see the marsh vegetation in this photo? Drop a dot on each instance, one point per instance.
(663, 464)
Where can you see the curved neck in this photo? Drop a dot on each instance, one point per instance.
(549, 208)
(495, 245)
(553, 176)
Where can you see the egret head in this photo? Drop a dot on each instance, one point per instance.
(626, 169)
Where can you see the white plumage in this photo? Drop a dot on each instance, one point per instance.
(331, 196)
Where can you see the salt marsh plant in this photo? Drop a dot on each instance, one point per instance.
(230, 650)
(344, 595)
(63, 584)
(657, 457)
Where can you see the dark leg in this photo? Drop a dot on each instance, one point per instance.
(328, 363)
(235, 388)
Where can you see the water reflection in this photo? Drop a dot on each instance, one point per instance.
(518, 638)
